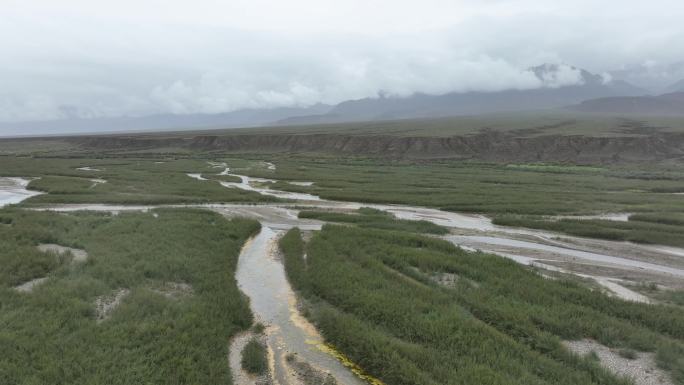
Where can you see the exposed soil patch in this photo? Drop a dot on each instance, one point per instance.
(197, 176)
(28, 287)
(488, 145)
(307, 374)
(174, 290)
(78, 255)
(105, 305)
(241, 376)
(642, 369)
(449, 279)
(13, 190)
(97, 181)
(626, 275)
(445, 279)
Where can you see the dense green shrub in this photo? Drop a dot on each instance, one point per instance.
(52, 336)
(254, 359)
(369, 217)
(374, 295)
(635, 230)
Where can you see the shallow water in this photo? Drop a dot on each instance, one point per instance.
(261, 277)
(251, 184)
(279, 216)
(618, 217)
(13, 190)
(197, 176)
(484, 243)
(305, 184)
(439, 217)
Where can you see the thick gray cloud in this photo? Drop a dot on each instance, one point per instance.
(106, 58)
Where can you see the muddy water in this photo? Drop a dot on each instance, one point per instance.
(253, 184)
(506, 241)
(197, 176)
(13, 190)
(487, 243)
(261, 276)
(523, 244)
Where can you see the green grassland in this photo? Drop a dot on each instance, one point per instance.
(634, 230)
(129, 181)
(368, 217)
(515, 194)
(526, 195)
(379, 297)
(51, 335)
(486, 188)
(525, 124)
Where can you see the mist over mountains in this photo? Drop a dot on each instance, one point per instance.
(677, 87)
(559, 87)
(657, 78)
(666, 105)
(555, 92)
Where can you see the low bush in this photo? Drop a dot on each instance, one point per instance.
(254, 359)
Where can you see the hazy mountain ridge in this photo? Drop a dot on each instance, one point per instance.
(160, 122)
(667, 104)
(677, 87)
(658, 78)
(559, 86)
(555, 93)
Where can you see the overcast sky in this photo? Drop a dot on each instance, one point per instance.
(137, 57)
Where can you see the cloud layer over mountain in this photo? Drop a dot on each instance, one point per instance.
(77, 58)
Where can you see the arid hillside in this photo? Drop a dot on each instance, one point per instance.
(582, 140)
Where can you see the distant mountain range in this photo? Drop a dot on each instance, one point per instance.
(657, 78)
(589, 86)
(677, 87)
(161, 122)
(555, 91)
(668, 104)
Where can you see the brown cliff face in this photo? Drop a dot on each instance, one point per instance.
(487, 146)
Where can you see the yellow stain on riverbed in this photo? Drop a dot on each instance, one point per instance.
(346, 361)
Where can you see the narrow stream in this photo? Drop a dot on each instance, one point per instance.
(261, 276)
(13, 190)
(516, 249)
(495, 241)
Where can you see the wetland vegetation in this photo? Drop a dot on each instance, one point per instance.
(156, 301)
(517, 195)
(406, 307)
(644, 228)
(254, 357)
(125, 181)
(383, 298)
(369, 217)
(524, 195)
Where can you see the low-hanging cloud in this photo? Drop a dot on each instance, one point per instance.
(76, 60)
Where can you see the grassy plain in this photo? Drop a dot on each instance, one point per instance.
(527, 195)
(124, 181)
(634, 230)
(524, 124)
(173, 326)
(415, 310)
(368, 217)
